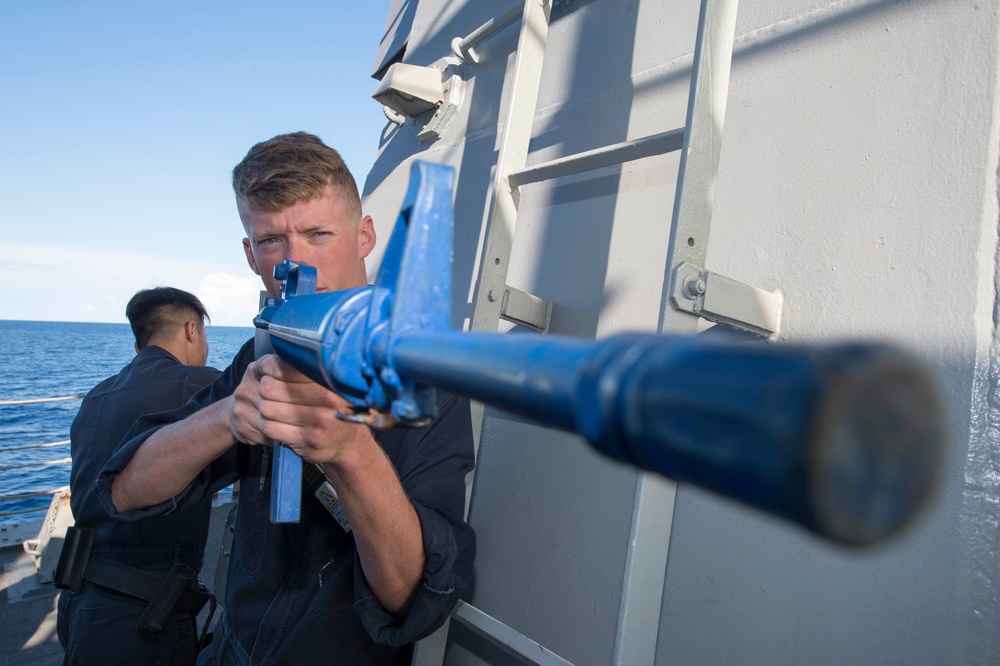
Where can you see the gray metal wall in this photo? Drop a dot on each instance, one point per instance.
(859, 177)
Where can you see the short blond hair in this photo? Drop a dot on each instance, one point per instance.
(290, 169)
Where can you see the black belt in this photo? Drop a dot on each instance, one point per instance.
(178, 591)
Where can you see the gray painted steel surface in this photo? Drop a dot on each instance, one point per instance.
(858, 176)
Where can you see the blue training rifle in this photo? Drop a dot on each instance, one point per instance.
(843, 439)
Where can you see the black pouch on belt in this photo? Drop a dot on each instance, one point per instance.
(164, 603)
(73, 559)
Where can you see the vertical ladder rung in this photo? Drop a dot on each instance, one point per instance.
(512, 156)
(635, 635)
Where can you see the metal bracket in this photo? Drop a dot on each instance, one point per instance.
(415, 99)
(525, 309)
(720, 299)
(426, 131)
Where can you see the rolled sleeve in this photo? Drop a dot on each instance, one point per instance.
(432, 468)
(119, 461)
(450, 551)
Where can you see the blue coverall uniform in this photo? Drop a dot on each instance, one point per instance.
(296, 593)
(97, 625)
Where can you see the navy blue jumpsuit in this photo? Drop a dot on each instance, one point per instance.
(97, 626)
(296, 593)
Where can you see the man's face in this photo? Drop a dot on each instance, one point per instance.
(320, 232)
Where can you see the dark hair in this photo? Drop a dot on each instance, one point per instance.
(160, 311)
(290, 169)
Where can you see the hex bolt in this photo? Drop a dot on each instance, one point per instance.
(694, 286)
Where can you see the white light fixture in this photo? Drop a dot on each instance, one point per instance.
(410, 89)
(422, 98)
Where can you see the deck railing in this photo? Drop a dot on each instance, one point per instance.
(5, 500)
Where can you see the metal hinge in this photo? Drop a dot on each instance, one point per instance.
(720, 299)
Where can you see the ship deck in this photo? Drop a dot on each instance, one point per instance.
(28, 607)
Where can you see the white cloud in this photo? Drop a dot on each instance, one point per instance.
(230, 300)
(50, 282)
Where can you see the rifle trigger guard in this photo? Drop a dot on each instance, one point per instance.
(377, 420)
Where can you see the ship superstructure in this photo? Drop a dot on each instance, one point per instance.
(838, 181)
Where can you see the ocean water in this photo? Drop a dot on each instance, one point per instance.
(58, 359)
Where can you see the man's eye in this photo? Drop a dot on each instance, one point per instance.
(263, 242)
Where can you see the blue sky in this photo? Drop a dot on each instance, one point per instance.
(120, 123)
